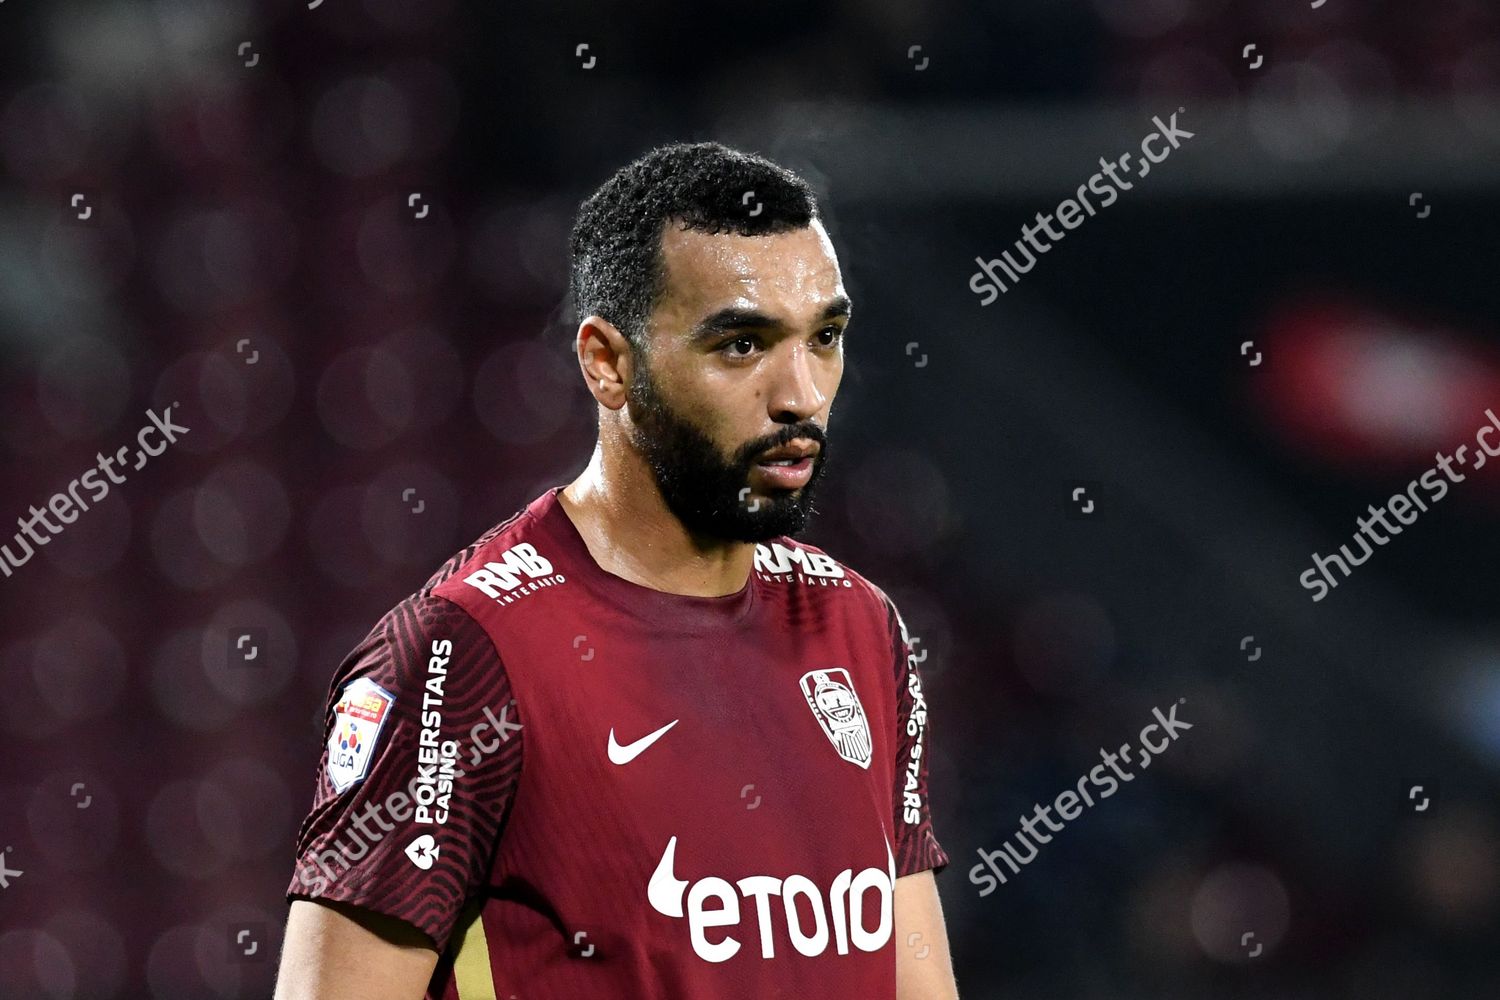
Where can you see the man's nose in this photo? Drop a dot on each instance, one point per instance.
(795, 395)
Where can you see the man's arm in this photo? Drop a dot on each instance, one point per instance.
(415, 701)
(334, 951)
(924, 970)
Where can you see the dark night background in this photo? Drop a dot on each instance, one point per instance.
(268, 204)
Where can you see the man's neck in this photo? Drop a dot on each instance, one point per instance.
(632, 534)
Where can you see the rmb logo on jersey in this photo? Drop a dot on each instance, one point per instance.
(838, 914)
(357, 720)
(830, 695)
(803, 565)
(501, 579)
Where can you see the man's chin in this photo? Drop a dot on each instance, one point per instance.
(785, 512)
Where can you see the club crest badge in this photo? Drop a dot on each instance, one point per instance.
(830, 695)
(357, 720)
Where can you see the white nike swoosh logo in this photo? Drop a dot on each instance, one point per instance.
(630, 751)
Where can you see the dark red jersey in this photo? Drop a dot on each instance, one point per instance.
(580, 787)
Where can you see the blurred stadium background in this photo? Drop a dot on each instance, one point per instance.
(369, 386)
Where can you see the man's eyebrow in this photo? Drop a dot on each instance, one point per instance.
(735, 318)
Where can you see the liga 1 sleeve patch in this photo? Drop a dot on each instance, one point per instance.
(357, 720)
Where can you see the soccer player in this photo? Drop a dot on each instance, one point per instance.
(635, 741)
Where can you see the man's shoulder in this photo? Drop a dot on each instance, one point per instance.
(517, 559)
(430, 612)
(399, 644)
(520, 528)
(787, 561)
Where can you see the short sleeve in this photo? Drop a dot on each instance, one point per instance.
(917, 847)
(421, 755)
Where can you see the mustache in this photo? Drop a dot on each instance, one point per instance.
(810, 431)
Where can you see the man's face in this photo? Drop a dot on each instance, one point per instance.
(745, 355)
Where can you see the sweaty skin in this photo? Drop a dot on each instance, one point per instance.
(789, 376)
(786, 370)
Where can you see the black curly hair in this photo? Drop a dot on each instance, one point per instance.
(618, 272)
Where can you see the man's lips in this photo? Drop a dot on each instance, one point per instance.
(786, 476)
(795, 449)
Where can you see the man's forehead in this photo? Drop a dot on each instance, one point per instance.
(713, 270)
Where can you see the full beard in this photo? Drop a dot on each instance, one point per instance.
(707, 493)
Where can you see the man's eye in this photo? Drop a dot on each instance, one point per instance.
(837, 335)
(728, 348)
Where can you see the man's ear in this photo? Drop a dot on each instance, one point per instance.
(604, 354)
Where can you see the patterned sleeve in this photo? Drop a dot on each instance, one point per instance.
(917, 847)
(421, 756)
